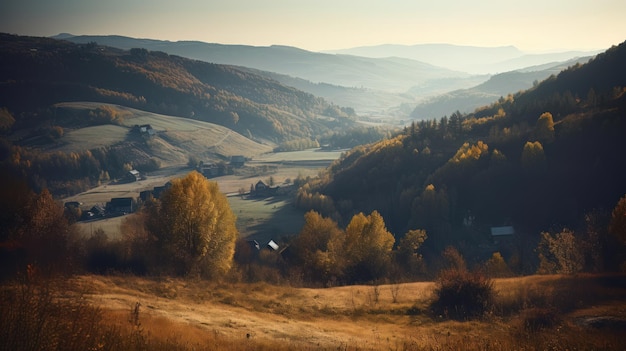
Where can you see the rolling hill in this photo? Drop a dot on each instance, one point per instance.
(176, 138)
(391, 74)
(68, 111)
(39, 72)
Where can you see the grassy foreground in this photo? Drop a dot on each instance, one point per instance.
(116, 312)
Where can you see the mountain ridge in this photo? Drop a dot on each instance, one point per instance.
(344, 70)
(475, 59)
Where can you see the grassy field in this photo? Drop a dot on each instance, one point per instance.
(556, 312)
(259, 219)
(266, 219)
(177, 138)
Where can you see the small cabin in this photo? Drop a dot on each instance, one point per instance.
(132, 176)
(121, 205)
(147, 129)
(210, 170)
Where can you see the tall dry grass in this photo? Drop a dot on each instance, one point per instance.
(530, 313)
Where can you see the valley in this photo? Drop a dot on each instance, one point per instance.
(501, 227)
(260, 218)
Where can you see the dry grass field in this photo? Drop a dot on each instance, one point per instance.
(569, 312)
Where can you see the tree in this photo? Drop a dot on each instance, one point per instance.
(408, 247)
(544, 129)
(46, 234)
(533, 157)
(561, 253)
(6, 120)
(367, 247)
(313, 247)
(617, 226)
(194, 226)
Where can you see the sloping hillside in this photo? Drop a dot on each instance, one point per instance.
(176, 138)
(466, 100)
(507, 163)
(38, 72)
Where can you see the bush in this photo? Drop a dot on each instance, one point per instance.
(460, 294)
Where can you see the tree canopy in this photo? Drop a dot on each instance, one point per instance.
(194, 226)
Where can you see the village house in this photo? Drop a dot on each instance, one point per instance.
(209, 170)
(147, 130)
(120, 205)
(263, 190)
(132, 176)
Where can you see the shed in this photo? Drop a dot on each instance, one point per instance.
(272, 245)
(133, 176)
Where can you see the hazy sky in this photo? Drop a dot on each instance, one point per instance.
(532, 25)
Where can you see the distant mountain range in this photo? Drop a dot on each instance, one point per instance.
(471, 59)
(385, 80)
(388, 74)
(466, 100)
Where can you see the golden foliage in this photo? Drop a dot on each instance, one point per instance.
(194, 223)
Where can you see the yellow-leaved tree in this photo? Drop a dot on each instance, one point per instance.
(367, 247)
(314, 245)
(194, 227)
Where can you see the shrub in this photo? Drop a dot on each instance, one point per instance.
(460, 294)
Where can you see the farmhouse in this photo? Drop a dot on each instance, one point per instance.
(263, 190)
(209, 170)
(158, 190)
(132, 176)
(120, 205)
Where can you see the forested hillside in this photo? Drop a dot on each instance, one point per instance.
(539, 160)
(466, 100)
(38, 72)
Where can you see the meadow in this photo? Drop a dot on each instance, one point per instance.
(553, 312)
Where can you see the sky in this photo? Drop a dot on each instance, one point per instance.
(530, 25)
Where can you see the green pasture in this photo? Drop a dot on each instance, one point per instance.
(266, 219)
